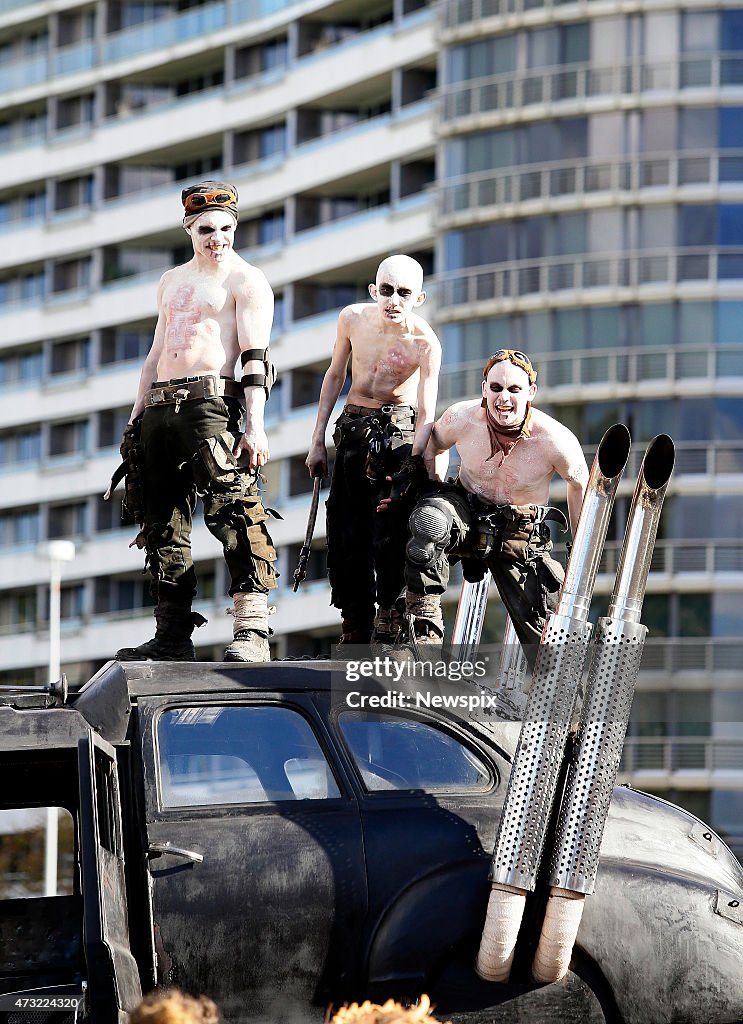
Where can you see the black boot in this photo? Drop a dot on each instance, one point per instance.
(172, 640)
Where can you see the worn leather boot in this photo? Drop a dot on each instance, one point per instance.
(388, 627)
(356, 626)
(172, 640)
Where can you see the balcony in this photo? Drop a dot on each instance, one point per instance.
(703, 560)
(625, 371)
(148, 45)
(624, 276)
(658, 761)
(563, 184)
(489, 99)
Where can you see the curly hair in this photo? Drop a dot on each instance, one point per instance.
(175, 1007)
(389, 1013)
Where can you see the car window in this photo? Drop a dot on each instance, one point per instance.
(393, 752)
(239, 754)
(23, 832)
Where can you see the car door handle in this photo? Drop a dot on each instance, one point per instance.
(156, 849)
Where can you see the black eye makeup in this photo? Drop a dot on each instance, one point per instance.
(386, 290)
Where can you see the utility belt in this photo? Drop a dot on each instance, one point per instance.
(384, 432)
(185, 389)
(515, 532)
(402, 416)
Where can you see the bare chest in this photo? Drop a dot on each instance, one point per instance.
(521, 475)
(195, 300)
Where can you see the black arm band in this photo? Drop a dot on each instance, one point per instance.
(263, 380)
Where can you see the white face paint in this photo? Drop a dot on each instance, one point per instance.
(507, 392)
(212, 235)
(397, 290)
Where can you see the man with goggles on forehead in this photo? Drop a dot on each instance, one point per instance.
(495, 515)
(395, 367)
(195, 429)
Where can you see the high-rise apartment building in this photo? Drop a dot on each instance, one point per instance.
(590, 184)
(322, 115)
(572, 175)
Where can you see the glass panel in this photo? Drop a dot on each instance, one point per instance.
(697, 128)
(729, 421)
(692, 516)
(696, 323)
(726, 619)
(228, 755)
(22, 841)
(695, 614)
(395, 753)
(699, 32)
(697, 225)
(731, 127)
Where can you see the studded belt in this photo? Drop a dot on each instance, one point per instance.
(184, 389)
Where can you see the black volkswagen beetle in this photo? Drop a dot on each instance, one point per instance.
(242, 832)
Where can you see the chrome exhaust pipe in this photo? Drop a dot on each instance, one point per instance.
(513, 668)
(473, 601)
(615, 663)
(549, 713)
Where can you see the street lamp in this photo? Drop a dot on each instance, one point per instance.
(57, 552)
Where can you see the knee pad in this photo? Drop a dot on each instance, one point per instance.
(430, 527)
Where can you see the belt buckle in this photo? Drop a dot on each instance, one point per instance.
(386, 409)
(156, 397)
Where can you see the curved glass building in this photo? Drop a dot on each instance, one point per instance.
(590, 212)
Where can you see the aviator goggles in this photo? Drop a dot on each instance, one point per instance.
(198, 200)
(513, 355)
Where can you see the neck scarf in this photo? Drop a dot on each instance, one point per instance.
(505, 439)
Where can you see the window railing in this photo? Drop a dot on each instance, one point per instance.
(544, 181)
(584, 81)
(581, 368)
(679, 557)
(456, 13)
(22, 73)
(510, 281)
(681, 753)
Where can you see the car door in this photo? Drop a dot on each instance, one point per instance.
(430, 806)
(113, 976)
(255, 851)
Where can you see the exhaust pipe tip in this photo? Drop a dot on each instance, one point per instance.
(613, 451)
(657, 465)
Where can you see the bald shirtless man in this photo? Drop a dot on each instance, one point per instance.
(211, 310)
(496, 513)
(395, 367)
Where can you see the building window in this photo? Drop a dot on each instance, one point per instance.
(73, 192)
(67, 520)
(68, 438)
(20, 446)
(17, 610)
(111, 424)
(19, 527)
(120, 595)
(121, 344)
(75, 111)
(18, 367)
(71, 275)
(69, 356)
